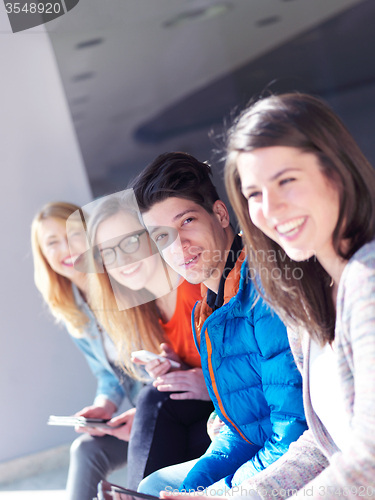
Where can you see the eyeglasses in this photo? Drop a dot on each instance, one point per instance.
(162, 238)
(128, 245)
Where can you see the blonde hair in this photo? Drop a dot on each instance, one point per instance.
(56, 289)
(137, 327)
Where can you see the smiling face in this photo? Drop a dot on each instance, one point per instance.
(193, 242)
(53, 241)
(134, 270)
(290, 200)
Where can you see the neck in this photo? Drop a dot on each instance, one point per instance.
(81, 283)
(334, 265)
(213, 281)
(165, 297)
(163, 281)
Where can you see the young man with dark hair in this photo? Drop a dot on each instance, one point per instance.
(248, 367)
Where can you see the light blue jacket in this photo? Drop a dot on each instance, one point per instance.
(91, 345)
(253, 382)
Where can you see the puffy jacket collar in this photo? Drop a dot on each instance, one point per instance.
(232, 284)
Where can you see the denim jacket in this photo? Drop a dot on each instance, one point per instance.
(91, 345)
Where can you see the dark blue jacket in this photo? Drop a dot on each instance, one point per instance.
(252, 380)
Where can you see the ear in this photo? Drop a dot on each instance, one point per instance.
(221, 213)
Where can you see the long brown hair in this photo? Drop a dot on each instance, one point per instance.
(300, 293)
(56, 289)
(137, 327)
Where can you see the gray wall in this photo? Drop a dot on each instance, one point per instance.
(41, 370)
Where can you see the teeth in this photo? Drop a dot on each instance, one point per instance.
(188, 262)
(69, 260)
(131, 270)
(291, 227)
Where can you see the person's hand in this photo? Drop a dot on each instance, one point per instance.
(157, 368)
(105, 411)
(214, 425)
(126, 422)
(190, 382)
(105, 492)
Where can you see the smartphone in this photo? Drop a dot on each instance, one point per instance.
(107, 491)
(147, 356)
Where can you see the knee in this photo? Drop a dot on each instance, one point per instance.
(150, 396)
(84, 448)
(167, 479)
(148, 485)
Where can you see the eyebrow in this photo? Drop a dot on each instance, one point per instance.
(274, 177)
(175, 218)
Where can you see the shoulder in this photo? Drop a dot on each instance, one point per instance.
(362, 260)
(358, 278)
(356, 295)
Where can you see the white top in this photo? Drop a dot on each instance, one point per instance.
(326, 393)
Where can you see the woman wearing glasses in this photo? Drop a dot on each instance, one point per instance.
(144, 304)
(66, 291)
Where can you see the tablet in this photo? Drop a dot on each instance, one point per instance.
(108, 491)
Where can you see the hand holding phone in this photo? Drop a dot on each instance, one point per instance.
(103, 411)
(121, 425)
(146, 356)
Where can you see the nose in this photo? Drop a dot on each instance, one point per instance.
(272, 203)
(122, 258)
(177, 246)
(65, 245)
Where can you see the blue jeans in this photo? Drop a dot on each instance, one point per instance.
(224, 463)
(169, 478)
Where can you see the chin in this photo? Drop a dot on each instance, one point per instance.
(135, 286)
(195, 278)
(299, 255)
(192, 280)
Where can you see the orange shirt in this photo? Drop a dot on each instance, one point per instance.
(178, 329)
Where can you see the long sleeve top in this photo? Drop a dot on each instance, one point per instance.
(314, 466)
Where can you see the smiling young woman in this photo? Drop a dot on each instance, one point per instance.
(305, 198)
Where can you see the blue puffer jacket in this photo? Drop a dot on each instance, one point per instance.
(252, 380)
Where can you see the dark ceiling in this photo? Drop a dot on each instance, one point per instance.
(144, 86)
(336, 57)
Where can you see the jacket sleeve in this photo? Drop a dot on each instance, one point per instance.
(227, 452)
(282, 388)
(108, 386)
